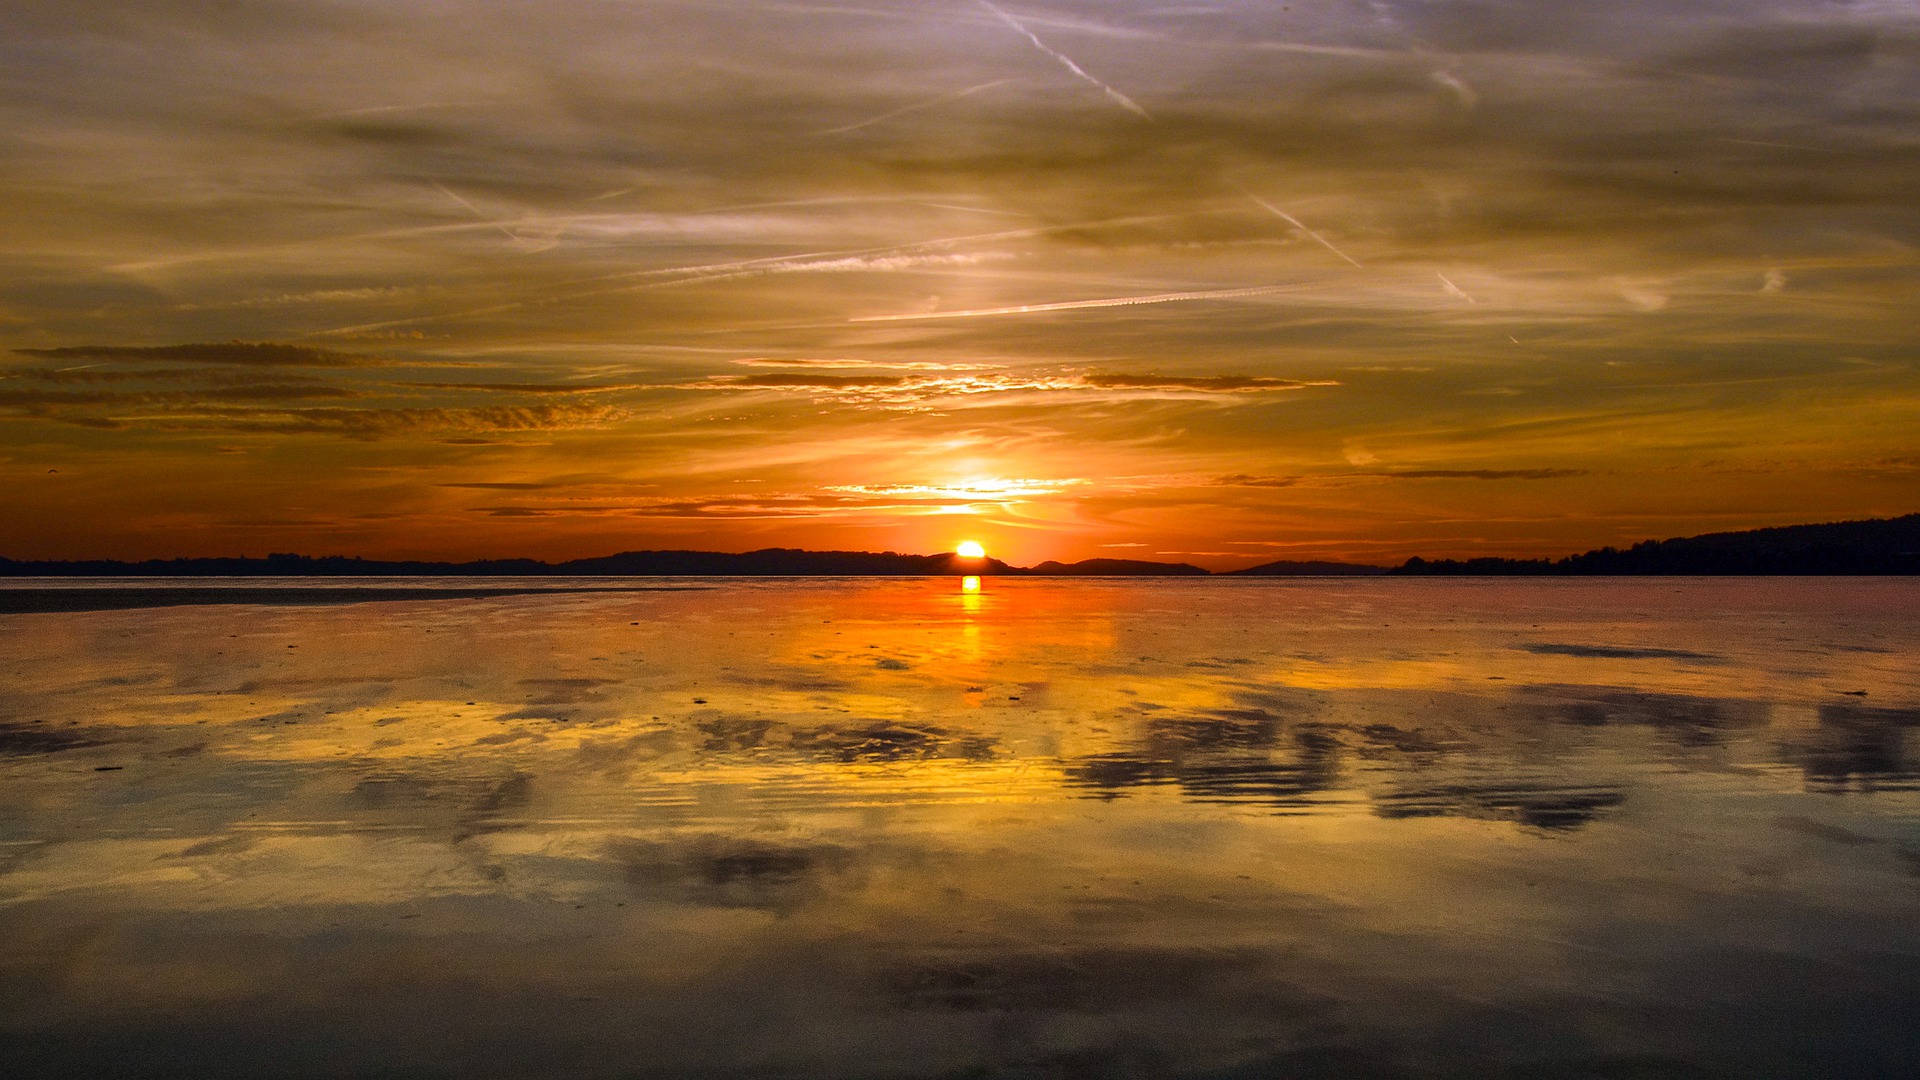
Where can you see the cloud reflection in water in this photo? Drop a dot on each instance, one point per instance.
(895, 828)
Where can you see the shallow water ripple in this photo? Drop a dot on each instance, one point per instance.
(888, 828)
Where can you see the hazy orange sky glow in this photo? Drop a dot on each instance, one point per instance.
(1075, 278)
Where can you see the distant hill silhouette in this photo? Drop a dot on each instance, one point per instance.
(1289, 568)
(1879, 546)
(769, 562)
(1115, 568)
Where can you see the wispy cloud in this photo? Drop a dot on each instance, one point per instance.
(800, 381)
(1345, 478)
(994, 489)
(214, 413)
(894, 390)
(49, 402)
(523, 388)
(845, 503)
(1214, 384)
(251, 353)
(378, 423)
(844, 364)
(1483, 474)
(1080, 305)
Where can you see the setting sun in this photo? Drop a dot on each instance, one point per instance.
(970, 549)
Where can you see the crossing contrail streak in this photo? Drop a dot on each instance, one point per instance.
(474, 210)
(1076, 305)
(1066, 61)
(1452, 289)
(1298, 224)
(916, 107)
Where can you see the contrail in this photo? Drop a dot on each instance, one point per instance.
(1298, 224)
(1079, 72)
(916, 107)
(1075, 305)
(1461, 90)
(372, 110)
(472, 209)
(1452, 289)
(1780, 145)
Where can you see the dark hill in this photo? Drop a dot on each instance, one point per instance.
(780, 562)
(1115, 568)
(1879, 546)
(769, 562)
(1285, 568)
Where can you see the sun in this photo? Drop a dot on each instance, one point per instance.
(970, 549)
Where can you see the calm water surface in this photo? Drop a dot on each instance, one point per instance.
(887, 828)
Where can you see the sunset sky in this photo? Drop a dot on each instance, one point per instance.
(1214, 282)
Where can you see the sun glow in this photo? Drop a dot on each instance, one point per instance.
(970, 549)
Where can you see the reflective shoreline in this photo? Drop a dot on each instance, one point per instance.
(888, 827)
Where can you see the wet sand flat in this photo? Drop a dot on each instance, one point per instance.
(889, 828)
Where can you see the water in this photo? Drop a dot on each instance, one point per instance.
(888, 828)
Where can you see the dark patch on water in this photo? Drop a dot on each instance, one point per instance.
(797, 680)
(1109, 774)
(566, 689)
(1323, 1063)
(219, 845)
(24, 739)
(1385, 741)
(729, 871)
(1229, 729)
(733, 733)
(562, 699)
(876, 741)
(1858, 748)
(622, 753)
(1236, 756)
(1690, 720)
(1871, 715)
(1313, 766)
(1820, 830)
(468, 802)
(552, 712)
(1077, 980)
(1541, 806)
(1616, 652)
(755, 864)
(513, 793)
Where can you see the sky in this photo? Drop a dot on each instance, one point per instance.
(1219, 283)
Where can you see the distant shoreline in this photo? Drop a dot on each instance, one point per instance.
(19, 599)
(44, 601)
(1878, 547)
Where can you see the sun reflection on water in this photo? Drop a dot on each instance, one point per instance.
(863, 803)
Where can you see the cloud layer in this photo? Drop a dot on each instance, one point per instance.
(346, 265)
